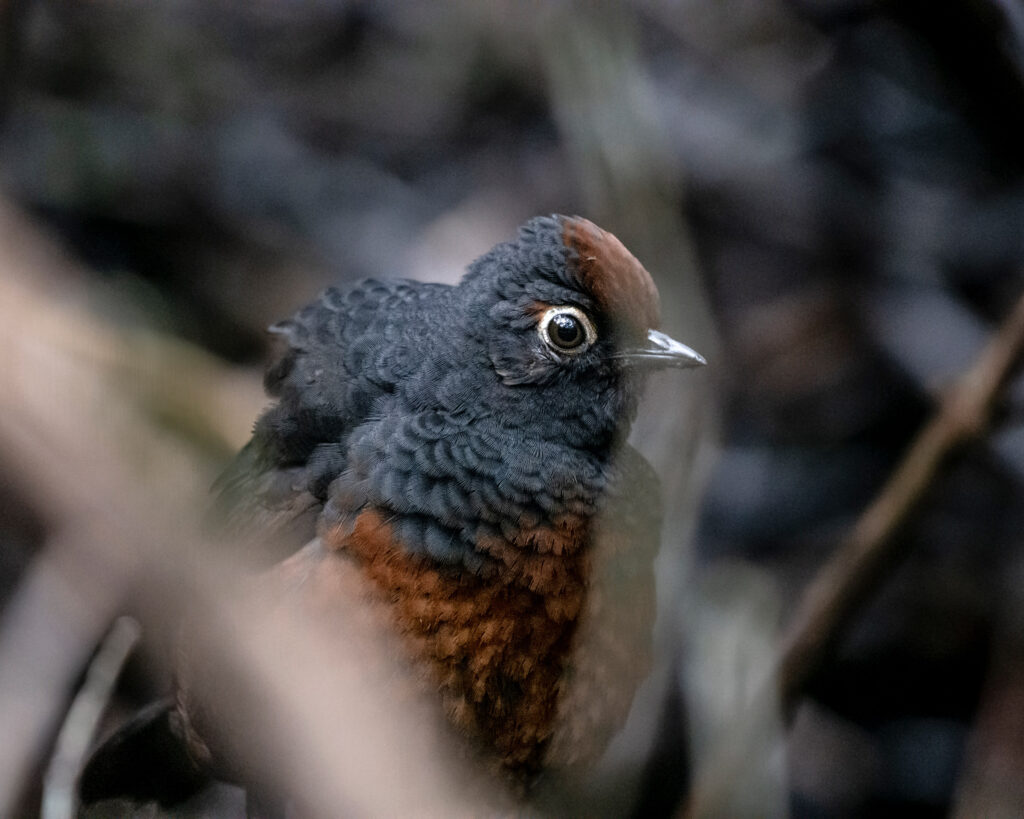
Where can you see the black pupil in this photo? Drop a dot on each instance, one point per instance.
(565, 330)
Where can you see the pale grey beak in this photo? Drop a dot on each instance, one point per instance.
(663, 351)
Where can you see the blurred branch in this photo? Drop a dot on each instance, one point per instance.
(46, 635)
(125, 493)
(836, 594)
(621, 145)
(79, 728)
(854, 571)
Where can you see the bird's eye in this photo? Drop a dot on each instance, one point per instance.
(566, 329)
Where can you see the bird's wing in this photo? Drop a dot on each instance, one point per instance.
(612, 648)
(333, 361)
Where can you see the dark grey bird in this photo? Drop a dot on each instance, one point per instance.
(464, 447)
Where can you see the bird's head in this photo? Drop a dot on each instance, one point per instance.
(569, 317)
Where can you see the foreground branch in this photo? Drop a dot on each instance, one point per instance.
(85, 432)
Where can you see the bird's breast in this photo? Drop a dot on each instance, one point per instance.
(495, 644)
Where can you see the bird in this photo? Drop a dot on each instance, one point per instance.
(463, 447)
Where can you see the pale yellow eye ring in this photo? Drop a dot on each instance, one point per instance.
(556, 329)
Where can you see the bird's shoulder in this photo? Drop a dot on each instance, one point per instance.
(330, 358)
(330, 365)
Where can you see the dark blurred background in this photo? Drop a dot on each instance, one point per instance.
(830, 195)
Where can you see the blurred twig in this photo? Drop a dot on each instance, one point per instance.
(835, 595)
(855, 569)
(76, 734)
(617, 139)
(46, 635)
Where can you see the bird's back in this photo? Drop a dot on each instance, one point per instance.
(332, 363)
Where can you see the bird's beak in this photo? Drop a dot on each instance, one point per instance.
(663, 351)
